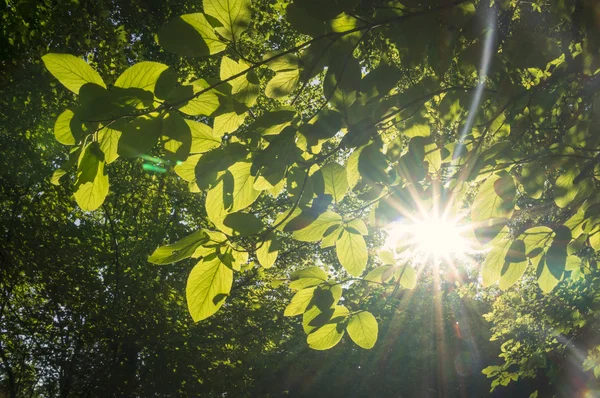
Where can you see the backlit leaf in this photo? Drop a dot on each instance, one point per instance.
(352, 253)
(208, 285)
(71, 71)
(179, 250)
(91, 186)
(190, 35)
(234, 16)
(142, 75)
(362, 329)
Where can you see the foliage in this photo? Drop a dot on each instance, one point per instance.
(313, 126)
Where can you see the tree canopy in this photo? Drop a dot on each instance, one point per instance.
(241, 165)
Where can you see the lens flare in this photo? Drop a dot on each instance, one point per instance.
(431, 236)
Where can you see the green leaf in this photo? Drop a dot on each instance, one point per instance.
(595, 240)
(316, 228)
(242, 224)
(138, 136)
(329, 334)
(573, 263)
(352, 253)
(407, 276)
(380, 274)
(109, 143)
(357, 227)
(190, 102)
(352, 171)
(234, 256)
(362, 329)
(546, 280)
(565, 189)
(242, 190)
(330, 238)
(335, 180)
(187, 169)
(536, 239)
(418, 130)
(495, 199)
(203, 138)
(179, 250)
(274, 121)
(307, 277)
(71, 71)
(91, 186)
(228, 122)
(282, 84)
(68, 128)
(491, 270)
(142, 75)
(177, 137)
(208, 285)
(533, 178)
(244, 88)
(234, 16)
(190, 35)
(74, 154)
(515, 264)
(299, 302)
(267, 252)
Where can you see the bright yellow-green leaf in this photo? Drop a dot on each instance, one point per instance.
(203, 139)
(511, 273)
(352, 172)
(245, 88)
(331, 239)
(64, 126)
(314, 231)
(192, 103)
(387, 257)
(234, 256)
(380, 274)
(307, 277)
(243, 192)
(179, 250)
(109, 143)
(407, 276)
(234, 15)
(573, 263)
(187, 169)
(282, 84)
(91, 186)
(228, 122)
(329, 334)
(363, 329)
(208, 285)
(315, 317)
(267, 252)
(142, 75)
(71, 71)
(352, 253)
(357, 226)
(565, 190)
(417, 130)
(546, 279)
(536, 238)
(491, 270)
(595, 239)
(495, 198)
(299, 302)
(335, 180)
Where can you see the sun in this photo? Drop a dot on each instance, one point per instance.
(430, 236)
